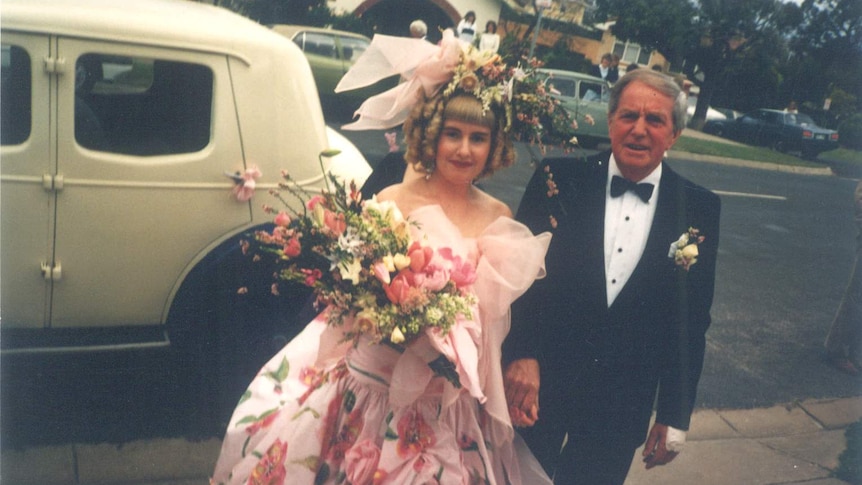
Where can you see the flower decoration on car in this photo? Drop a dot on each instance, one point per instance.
(684, 251)
(244, 183)
(367, 271)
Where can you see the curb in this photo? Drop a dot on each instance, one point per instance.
(695, 157)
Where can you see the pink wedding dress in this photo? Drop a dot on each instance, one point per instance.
(325, 411)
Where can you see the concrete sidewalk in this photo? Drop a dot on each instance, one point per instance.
(792, 444)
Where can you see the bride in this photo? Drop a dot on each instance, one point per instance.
(321, 411)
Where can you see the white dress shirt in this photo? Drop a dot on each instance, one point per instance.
(627, 224)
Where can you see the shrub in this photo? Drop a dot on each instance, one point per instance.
(850, 461)
(850, 132)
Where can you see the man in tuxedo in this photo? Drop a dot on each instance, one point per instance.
(618, 324)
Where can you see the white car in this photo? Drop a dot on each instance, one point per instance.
(711, 113)
(124, 125)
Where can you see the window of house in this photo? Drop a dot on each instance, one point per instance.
(630, 52)
(140, 106)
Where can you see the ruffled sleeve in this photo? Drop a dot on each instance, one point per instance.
(511, 259)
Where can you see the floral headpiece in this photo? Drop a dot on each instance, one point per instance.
(532, 115)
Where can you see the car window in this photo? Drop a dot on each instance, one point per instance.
(563, 87)
(142, 106)
(319, 44)
(352, 48)
(15, 95)
(590, 91)
(804, 120)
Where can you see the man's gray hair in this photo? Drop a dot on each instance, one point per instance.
(661, 83)
(418, 28)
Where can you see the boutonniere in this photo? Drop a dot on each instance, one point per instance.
(683, 251)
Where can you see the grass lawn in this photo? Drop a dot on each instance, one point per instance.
(843, 161)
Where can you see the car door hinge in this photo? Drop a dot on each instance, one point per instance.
(52, 183)
(55, 65)
(52, 273)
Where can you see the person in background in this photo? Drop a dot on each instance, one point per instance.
(844, 342)
(631, 67)
(466, 29)
(604, 71)
(418, 29)
(619, 323)
(490, 40)
(615, 67)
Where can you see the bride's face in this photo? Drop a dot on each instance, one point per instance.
(462, 151)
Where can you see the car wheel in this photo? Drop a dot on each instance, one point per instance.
(221, 336)
(779, 146)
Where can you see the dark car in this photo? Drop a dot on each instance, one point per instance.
(779, 130)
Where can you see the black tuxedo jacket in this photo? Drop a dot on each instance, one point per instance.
(601, 367)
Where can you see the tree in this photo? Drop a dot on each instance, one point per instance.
(705, 37)
(829, 45)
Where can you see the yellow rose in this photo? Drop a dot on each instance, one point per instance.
(689, 253)
(401, 261)
(396, 337)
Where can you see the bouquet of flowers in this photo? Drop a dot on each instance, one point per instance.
(363, 264)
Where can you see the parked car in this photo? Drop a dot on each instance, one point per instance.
(780, 130)
(119, 230)
(711, 113)
(585, 97)
(331, 53)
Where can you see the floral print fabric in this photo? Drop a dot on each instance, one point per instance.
(325, 411)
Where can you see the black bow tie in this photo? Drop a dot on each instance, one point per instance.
(620, 185)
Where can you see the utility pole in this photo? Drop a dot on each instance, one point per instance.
(541, 5)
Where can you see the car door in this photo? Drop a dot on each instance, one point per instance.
(27, 203)
(138, 201)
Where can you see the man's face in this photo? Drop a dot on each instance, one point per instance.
(641, 130)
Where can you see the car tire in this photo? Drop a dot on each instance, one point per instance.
(221, 336)
(779, 146)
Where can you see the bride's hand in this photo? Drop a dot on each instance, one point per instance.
(521, 381)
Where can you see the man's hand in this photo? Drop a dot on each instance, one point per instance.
(521, 381)
(655, 451)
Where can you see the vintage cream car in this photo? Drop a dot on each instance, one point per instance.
(121, 122)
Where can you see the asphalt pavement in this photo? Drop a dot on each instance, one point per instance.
(795, 443)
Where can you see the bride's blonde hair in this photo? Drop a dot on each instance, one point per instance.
(423, 127)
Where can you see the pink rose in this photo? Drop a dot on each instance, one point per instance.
(311, 276)
(434, 278)
(312, 202)
(292, 248)
(400, 288)
(361, 462)
(419, 256)
(335, 222)
(282, 219)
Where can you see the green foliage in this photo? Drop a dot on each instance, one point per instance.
(850, 462)
(700, 146)
(560, 57)
(850, 132)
